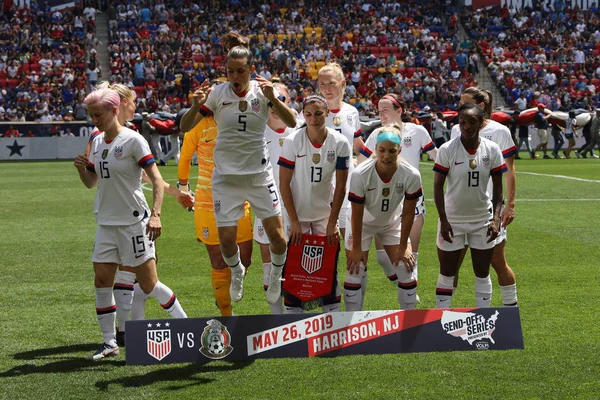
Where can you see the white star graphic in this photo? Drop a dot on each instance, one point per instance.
(307, 241)
(322, 243)
(149, 325)
(158, 324)
(314, 242)
(167, 324)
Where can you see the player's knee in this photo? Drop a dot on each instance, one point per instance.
(103, 281)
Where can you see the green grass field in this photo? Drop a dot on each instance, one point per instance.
(48, 323)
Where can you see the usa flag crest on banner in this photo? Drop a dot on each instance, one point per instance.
(159, 343)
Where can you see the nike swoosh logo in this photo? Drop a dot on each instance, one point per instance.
(222, 286)
(368, 190)
(96, 152)
(208, 140)
(226, 103)
(140, 255)
(411, 294)
(458, 163)
(486, 298)
(268, 142)
(300, 156)
(442, 300)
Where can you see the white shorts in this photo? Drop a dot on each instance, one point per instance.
(126, 245)
(420, 208)
(318, 227)
(388, 234)
(231, 191)
(502, 236)
(473, 234)
(344, 211)
(259, 230)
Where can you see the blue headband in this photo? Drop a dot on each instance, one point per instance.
(389, 137)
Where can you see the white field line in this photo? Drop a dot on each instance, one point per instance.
(560, 177)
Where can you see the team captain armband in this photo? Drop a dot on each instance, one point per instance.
(356, 198)
(415, 195)
(441, 169)
(499, 170)
(205, 111)
(343, 163)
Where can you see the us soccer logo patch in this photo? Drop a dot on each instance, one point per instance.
(399, 187)
(486, 160)
(350, 119)
(255, 104)
(205, 232)
(216, 340)
(407, 142)
(261, 231)
(118, 153)
(331, 156)
(312, 258)
(217, 206)
(158, 341)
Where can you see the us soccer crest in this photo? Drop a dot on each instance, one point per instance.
(316, 158)
(261, 231)
(486, 161)
(255, 104)
(312, 258)
(385, 192)
(399, 187)
(118, 152)
(217, 206)
(216, 340)
(243, 105)
(350, 119)
(205, 232)
(104, 154)
(331, 156)
(407, 142)
(158, 342)
(337, 121)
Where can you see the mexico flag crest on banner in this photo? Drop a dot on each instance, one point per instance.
(310, 272)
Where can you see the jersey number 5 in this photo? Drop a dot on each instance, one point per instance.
(242, 122)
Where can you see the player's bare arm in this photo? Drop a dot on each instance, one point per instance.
(154, 227)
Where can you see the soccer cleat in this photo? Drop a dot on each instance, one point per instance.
(105, 350)
(274, 289)
(120, 338)
(595, 156)
(236, 289)
(546, 157)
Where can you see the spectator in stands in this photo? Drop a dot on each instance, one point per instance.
(11, 132)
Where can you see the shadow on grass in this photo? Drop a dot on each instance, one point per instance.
(182, 376)
(60, 361)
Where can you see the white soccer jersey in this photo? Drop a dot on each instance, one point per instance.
(314, 169)
(118, 165)
(346, 121)
(497, 133)
(467, 175)
(383, 200)
(241, 146)
(415, 139)
(275, 141)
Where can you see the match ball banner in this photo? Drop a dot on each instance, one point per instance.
(326, 334)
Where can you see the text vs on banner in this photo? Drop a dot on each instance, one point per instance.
(329, 334)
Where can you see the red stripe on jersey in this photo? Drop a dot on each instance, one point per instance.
(169, 303)
(284, 162)
(145, 161)
(335, 111)
(430, 146)
(109, 308)
(365, 151)
(511, 151)
(355, 198)
(441, 169)
(358, 133)
(415, 195)
(472, 152)
(205, 111)
(500, 170)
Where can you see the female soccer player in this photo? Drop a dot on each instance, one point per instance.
(415, 139)
(129, 297)
(310, 159)
(201, 139)
(466, 213)
(242, 167)
(275, 135)
(500, 135)
(384, 192)
(127, 228)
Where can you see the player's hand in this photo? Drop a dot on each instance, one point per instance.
(446, 230)
(406, 257)
(333, 233)
(493, 230)
(186, 199)
(266, 86)
(355, 258)
(154, 227)
(201, 94)
(81, 161)
(507, 216)
(295, 233)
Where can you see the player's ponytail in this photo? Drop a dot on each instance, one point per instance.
(481, 96)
